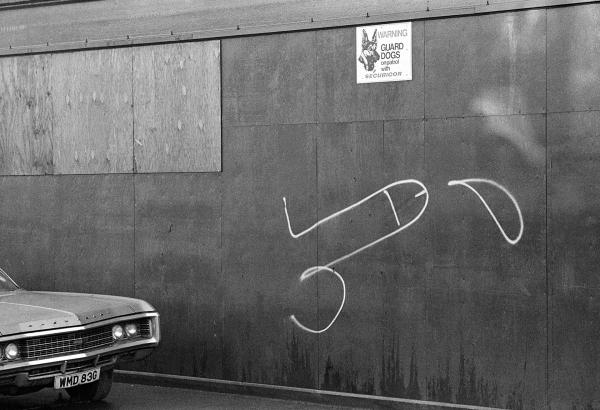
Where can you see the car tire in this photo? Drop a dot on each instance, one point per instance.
(95, 391)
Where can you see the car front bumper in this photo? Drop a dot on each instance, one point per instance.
(22, 374)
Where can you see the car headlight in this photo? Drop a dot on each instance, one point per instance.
(11, 351)
(117, 332)
(131, 329)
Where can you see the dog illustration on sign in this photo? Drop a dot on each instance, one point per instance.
(369, 55)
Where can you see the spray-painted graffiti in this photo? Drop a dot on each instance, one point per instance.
(329, 267)
(467, 182)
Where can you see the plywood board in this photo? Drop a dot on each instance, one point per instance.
(573, 55)
(488, 348)
(486, 65)
(178, 268)
(27, 225)
(350, 158)
(127, 22)
(93, 115)
(573, 200)
(340, 98)
(573, 366)
(269, 79)
(177, 93)
(26, 116)
(469, 250)
(262, 263)
(92, 237)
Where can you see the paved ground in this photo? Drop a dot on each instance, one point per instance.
(131, 396)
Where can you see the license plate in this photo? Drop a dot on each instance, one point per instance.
(76, 379)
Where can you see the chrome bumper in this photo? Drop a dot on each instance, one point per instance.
(31, 372)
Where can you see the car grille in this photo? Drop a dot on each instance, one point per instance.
(75, 342)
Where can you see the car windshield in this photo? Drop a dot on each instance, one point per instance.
(6, 283)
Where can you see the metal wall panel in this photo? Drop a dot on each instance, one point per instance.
(178, 268)
(339, 98)
(93, 115)
(486, 65)
(573, 54)
(269, 79)
(262, 263)
(177, 94)
(26, 116)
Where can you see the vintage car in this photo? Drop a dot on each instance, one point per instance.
(69, 341)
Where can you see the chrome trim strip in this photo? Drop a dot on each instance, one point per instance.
(115, 349)
(111, 362)
(19, 336)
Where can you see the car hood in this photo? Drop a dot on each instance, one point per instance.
(24, 311)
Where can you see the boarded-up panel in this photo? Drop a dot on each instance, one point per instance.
(27, 221)
(573, 56)
(128, 22)
(406, 260)
(488, 296)
(350, 158)
(91, 97)
(178, 264)
(574, 352)
(341, 99)
(269, 79)
(479, 348)
(573, 259)
(92, 239)
(486, 65)
(574, 200)
(177, 92)
(262, 263)
(25, 116)
(469, 250)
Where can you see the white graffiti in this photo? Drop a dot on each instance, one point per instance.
(307, 274)
(466, 182)
(329, 267)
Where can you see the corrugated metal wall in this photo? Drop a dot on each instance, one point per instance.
(446, 310)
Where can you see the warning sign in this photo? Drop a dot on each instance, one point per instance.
(384, 53)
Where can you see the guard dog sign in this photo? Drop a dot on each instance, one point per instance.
(384, 53)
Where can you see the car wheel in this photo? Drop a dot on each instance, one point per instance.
(95, 391)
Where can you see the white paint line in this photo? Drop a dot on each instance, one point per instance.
(365, 199)
(466, 182)
(313, 270)
(307, 274)
(423, 192)
(393, 208)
